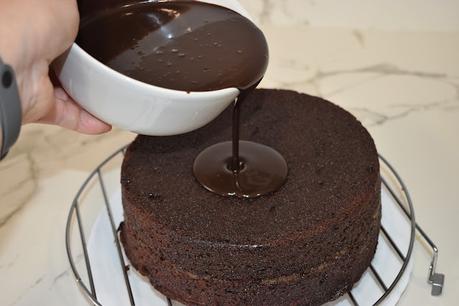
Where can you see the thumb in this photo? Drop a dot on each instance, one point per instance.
(68, 114)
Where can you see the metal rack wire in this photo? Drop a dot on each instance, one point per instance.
(75, 216)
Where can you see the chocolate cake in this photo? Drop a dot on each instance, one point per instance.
(305, 244)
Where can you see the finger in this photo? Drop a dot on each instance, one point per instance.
(68, 114)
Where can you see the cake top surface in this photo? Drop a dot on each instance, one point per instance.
(333, 169)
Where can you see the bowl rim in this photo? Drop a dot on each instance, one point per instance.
(79, 51)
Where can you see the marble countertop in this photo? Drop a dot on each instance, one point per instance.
(393, 64)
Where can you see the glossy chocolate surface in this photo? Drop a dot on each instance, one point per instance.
(193, 46)
(182, 45)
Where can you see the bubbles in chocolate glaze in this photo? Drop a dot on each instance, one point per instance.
(173, 32)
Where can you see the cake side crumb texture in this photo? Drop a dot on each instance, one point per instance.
(306, 244)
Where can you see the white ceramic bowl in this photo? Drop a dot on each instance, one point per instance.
(135, 106)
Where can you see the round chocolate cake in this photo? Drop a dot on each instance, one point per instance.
(305, 244)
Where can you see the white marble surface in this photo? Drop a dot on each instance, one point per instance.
(394, 64)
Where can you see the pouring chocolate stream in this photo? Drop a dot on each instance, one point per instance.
(194, 46)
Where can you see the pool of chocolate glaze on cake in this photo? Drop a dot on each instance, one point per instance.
(191, 46)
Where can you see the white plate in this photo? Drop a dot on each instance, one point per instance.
(112, 291)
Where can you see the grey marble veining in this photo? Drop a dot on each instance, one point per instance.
(397, 73)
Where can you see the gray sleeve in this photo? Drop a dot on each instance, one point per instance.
(10, 109)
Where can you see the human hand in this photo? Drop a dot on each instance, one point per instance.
(32, 34)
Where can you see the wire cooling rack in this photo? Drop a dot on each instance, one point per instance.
(391, 180)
